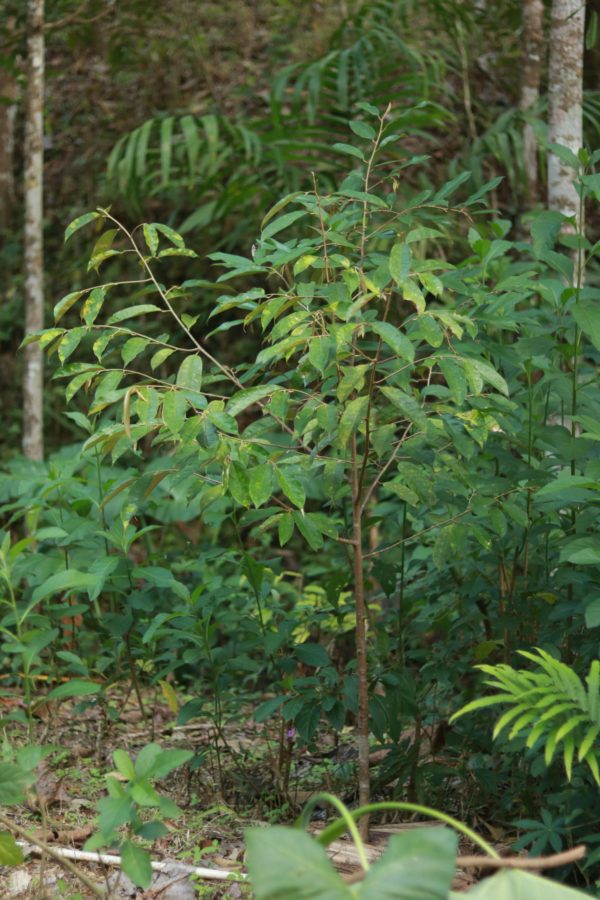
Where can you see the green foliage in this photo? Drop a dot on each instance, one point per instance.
(286, 862)
(133, 802)
(550, 704)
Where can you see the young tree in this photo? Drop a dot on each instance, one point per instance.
(533, 49)
(565, 90)
(33, 439)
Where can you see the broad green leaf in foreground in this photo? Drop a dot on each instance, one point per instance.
(135, 863)
(10, 852)
(285, 864)
(514, 885)
(417, 865)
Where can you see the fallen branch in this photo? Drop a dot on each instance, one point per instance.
(38, 846)
(109, 860)
(520, 862)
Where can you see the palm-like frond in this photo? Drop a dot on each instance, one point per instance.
(551, 703)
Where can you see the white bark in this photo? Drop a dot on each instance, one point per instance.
(533, 49)
(565, 91)
(105, 859)
(33, 385)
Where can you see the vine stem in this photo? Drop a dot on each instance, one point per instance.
(337, 828)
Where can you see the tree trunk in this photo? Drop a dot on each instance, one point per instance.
(533, 49)
(362, 670)
(565, 90)
(8, 96)
(33, 438)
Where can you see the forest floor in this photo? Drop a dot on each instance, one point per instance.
(232, 783)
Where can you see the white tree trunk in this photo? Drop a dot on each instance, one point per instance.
(533, 51)
(33, 384)
(565, 92)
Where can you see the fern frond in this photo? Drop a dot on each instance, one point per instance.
(551, 704)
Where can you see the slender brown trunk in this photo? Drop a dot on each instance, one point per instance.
(533, 51)
(33, 439)
(362, 671)
(565, 92)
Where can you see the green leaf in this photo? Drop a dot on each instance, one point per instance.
(170, 234)
(352, 417)
(565, 155)
(74, 688)
(587, 315)
(168, 761)
(130, 312)
(312, 655)
(68, 580)
(287, 863)
(260, 483)
(307, 529)
(124, 764)
(417, 865)
(178, 251)
(285, 529)
(353, 379)
(291, 485)
(412, 292)
(244, 398)
(80, 222)
(321, 351)
(153, 830)
(93, 304)
(10, 852)
(282, 222)
(237, 484)
(160, 357)
(431, 331)
(151, 238)
(66, 303)
(265, 710)
(478, 371)
(144, 794)
(455, 379)
(511, 884)
(401, 490)
(174, 410)
(592, 613)
(136, 864)
(394, 338)
(147, 759)
(431, 283)
(545, 229)
(190, 373)
(584, 551)
(114, 811)
(399, 262)
(349, 150)
(132, 348)
(363, 130)
(422, 234)
(13, 782)
(408, 405)
(281, 204)
(70, 343)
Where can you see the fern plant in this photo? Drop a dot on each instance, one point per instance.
(551, 703)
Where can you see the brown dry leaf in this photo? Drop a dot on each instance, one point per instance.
(48, 789)
(67, 836)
